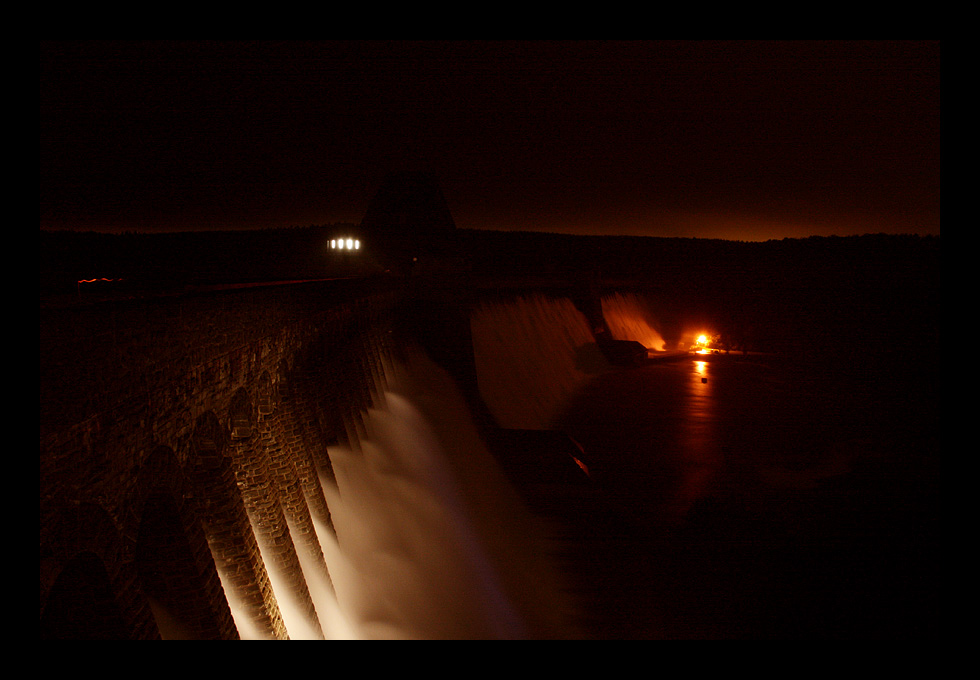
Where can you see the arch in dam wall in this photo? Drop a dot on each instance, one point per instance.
(195, 431)
(85, 567)
(175, 566)
(180, 452)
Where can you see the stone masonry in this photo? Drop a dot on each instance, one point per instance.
(170, 427)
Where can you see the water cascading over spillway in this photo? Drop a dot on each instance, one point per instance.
(535, 352)
(429, 540)
(629, 319)
(532, 354)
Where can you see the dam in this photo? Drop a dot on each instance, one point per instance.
(444, 442)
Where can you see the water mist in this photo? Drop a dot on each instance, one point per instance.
(629, 319)
(431, 540)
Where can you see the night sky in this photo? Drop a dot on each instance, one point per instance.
(735, 140)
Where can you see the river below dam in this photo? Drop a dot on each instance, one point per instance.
(752, 497)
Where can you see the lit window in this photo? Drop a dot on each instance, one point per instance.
(345, 243)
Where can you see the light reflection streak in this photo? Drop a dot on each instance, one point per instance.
(700, 458)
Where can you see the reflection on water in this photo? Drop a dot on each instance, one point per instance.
(654, 433)
(765, 499)
(700, 456)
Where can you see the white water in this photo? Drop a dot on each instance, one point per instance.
(431, 541)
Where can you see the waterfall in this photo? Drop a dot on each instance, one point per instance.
(431, 541)
(532, 354)
(535, 352)
(629, 319)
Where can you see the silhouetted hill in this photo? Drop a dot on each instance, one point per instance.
(710, 264)
(177, 259)
(852, 296)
